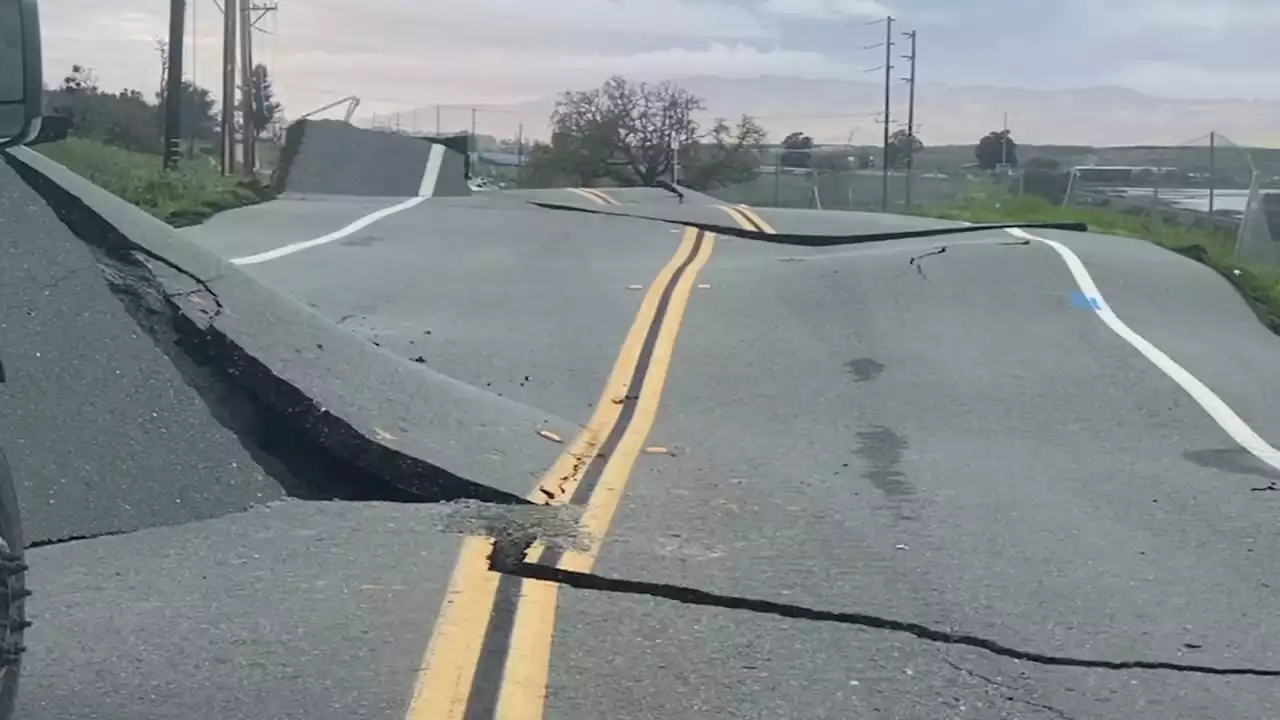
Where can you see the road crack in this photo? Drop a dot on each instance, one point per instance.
(920, 266)
(1012, 698)
(507, 561)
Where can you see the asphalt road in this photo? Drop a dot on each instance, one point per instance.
(883, 480)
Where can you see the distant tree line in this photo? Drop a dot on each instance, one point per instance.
(128, 119)
(799, 151)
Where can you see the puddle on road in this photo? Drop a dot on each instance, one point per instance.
(882, 449)
(864, 369)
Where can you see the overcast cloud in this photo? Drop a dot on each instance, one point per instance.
(410, 53)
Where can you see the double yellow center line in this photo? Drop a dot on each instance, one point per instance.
(490, 651)
(747, 218)
(595, 195)
(743, 215)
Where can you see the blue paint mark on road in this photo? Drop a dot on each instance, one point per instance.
(1080, 300)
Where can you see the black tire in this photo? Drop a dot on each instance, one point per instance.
(13, 592)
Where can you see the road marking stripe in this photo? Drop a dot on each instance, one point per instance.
(595, 196)
(583, 192)
(360, 224)
(443, 687)
(431, 175)
(755, 218)
(450, 663)
(522, 693)
(608, 199)
(743, 221)
(1227, 419)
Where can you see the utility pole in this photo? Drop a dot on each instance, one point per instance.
(437, 119)
(1004, 142)
(520, 154)
(888, 79)
(229, 15)
(1213, 146)
(911, 116)
(246, 87)
(675, 158)
(173, 83)
(195, 66)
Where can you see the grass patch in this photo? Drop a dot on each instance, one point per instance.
(185, 196)
(1211, 247)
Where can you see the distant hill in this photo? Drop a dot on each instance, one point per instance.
(832, 111)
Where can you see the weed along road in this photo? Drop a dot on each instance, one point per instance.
(399, 451)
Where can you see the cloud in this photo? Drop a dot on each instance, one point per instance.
(528, 21)
(1215, 16)
(821, 9)
(1173, 79)
(522, 74)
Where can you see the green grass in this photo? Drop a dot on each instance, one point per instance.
(1212, 248)
(185, 196)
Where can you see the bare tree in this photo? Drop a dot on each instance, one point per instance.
(725, 156)
(629, 131)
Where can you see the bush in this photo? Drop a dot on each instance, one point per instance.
(185, 196)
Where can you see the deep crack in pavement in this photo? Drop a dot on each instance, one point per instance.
(506, 559)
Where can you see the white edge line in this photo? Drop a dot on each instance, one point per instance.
(291, 248)
(1227, 419)
(431, 175)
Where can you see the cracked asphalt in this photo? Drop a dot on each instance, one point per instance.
(895, 481)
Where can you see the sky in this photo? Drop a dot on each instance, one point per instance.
(401, 54)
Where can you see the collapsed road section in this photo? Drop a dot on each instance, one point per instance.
(124, 317)
(329, 157)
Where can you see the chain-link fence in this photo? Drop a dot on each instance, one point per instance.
(842, 168)
(854, 189)
(1210, 183)
(499, 137)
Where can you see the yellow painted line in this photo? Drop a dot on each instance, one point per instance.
(523, 692)
(606, 197)
(449, 665)
(738, 217)
(755, 217)
(444, 681)
(583, 192)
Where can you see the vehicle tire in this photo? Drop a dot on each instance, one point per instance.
(13, 592)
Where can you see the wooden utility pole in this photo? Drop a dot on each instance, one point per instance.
(888, 80)
(911, 116)
(1213, 169)
(173, 84)
(520, 154)
(229, 16)
(247, 129)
